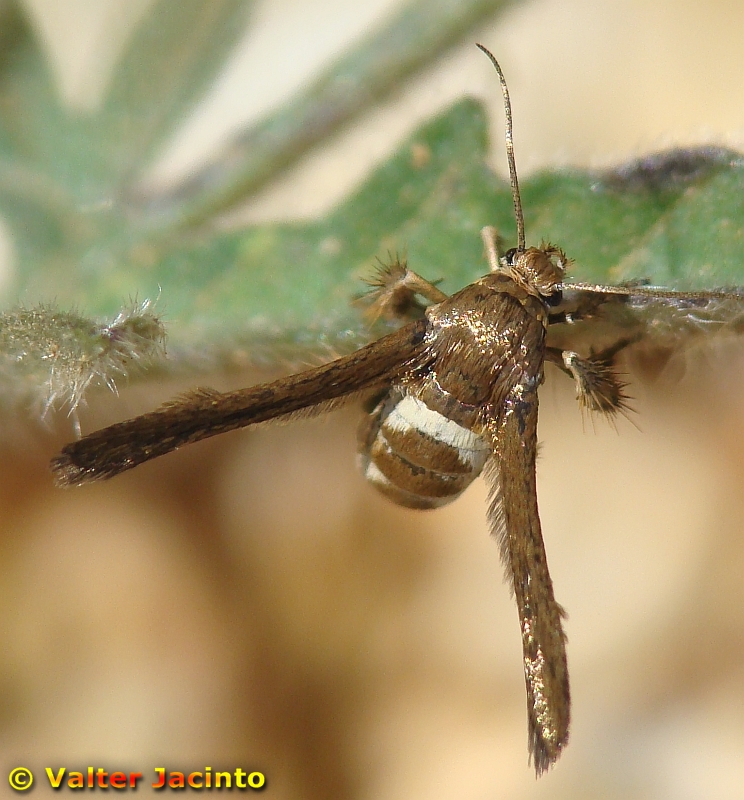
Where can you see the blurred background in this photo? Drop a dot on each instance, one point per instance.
(250, 602)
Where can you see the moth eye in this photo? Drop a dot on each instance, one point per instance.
(554, 299)
(509, 256)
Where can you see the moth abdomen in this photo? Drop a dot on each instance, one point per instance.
(417, 456)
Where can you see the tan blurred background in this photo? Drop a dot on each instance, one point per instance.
(250, 602)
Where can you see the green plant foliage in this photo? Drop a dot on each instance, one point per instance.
(276, 291)
(62, 181)
(51, 357)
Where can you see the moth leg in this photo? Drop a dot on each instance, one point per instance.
(598, 386)
(515, 522)
(490, 237)
(395, 292)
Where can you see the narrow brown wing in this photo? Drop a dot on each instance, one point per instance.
(204, 413)
(593, 311)
(515, 523)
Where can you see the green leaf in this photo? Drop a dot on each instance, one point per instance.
(371, 70)
(430, 201)
(269, 280)
(64, 183)
(175, 54)
(674, 218)
(29, 109)
(240, 293)
(269, 292)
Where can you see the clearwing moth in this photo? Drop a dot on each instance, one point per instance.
(450, 394)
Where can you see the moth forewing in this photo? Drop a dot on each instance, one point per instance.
(511, 421)
(204, 413)
(642, 310)
(515, 522)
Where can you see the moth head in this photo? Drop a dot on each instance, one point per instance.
(540, 270)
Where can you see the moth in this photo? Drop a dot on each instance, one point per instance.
(451, 394)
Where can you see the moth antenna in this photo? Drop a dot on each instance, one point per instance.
(509, 151)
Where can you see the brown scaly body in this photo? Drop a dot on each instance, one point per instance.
(428, 438)
(474, 397)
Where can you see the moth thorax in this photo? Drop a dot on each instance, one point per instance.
(417, 456)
